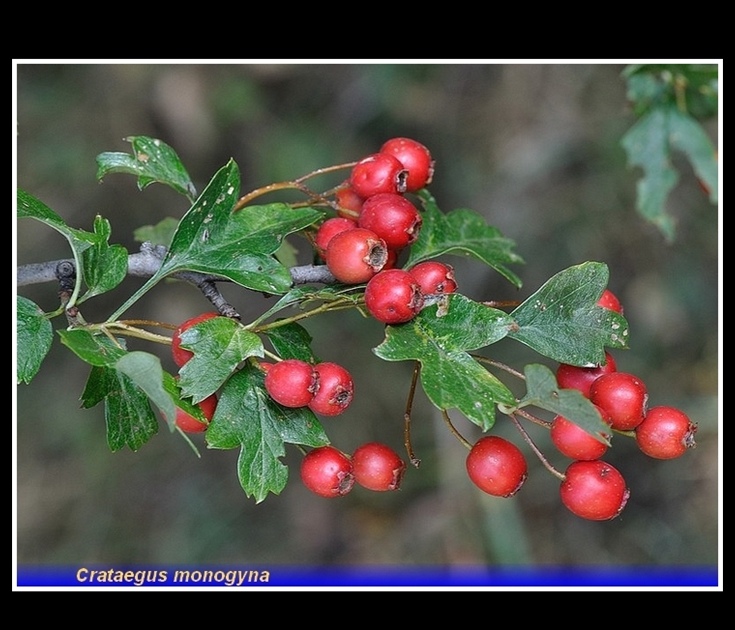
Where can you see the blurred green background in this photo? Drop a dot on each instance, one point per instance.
(533, 147)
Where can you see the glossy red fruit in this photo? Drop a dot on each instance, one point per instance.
(335, 392)
(354, 256)
(327, 472)
(622, 395)
(594, 490)
(349, 202)
(497, 466)
(392, 296)
(574, 442)
(581, 378)
(378, 173)
(610, 301)
(328, 229)
(393, 218)
(434, 277)
(415, 157)
(180, 355)
(665, 433)
(292, 382)
(189, 423)
(378, 467)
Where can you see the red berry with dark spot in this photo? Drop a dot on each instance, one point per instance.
(335, 392)
(354, 256)
(497, 466)
(378, 173)
(327, 472)
(594, 490)
(434, 277)
(378, 467)
(665, 433)
(392, 296)
(416, 159)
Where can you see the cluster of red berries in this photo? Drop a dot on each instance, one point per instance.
(591, 488)
(376, 223)
(330, 473)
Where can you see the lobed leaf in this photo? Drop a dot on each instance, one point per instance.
(34, 336)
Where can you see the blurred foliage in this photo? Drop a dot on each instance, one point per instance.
(534, 148)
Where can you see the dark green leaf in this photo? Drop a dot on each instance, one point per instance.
(292, 341)
(34, 335)
(689, 137)
(542, 391)
(247, 418)
(145, 371)
(462, 233)
(105, 266)
(152, 161)
(128, 414)
(562, 321)
(219, 345)
(440, 338)
(96, 350)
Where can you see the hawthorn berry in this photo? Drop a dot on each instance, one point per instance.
(328, 229)
(327, 471)
(581, 378)
(356, 255)
(610, 301)
(189, 424)
(497, 466)
(623, 396)
(415, 158)
(180, 355)
(665, 433)
(594, 490)
(378, 173)
(393, 218)
(434, 277)
(377, 467)
(349, 202)
(574, 442)
(291, 382)
(335, 391)
(392, 296)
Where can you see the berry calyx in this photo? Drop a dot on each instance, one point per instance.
(393, 218)
(623, 396)
(581, 378)
(189, 424)
(356, 255)
(326, 471)
(574, 442)
(392, 296)
(594, 490)
(378, 173)
(292, 382)
(378, 467)
(415, 158)
(180, 355)
(497, 466)
(434, 277)
(335, 391)
(665, 433)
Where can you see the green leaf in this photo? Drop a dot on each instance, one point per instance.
(562, 321)
(152, 161)
(160, 234)
(96, 350)
(688, 136)
(292, 341)
(247, 418)
(145, 371)
(34, 335)
(463, 233)
(219, 345)
(543, 391)
(105, 266)
(440, 338)
(129, 417)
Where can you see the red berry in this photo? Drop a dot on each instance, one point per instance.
(415, 157)
(356, 255)
(392, 296)
(594, 490)
(624, 396)
(610, 301)
(335, 391)
(349, 202)
(393, 218)
(189, 423)
(574, 442)
(581, 378)
(377, 467)
(180, 355)
(497, 466)
(434, 277)
(378, 173)
(330, 228)
(291, 382)
(665, 433)
(327, 472)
